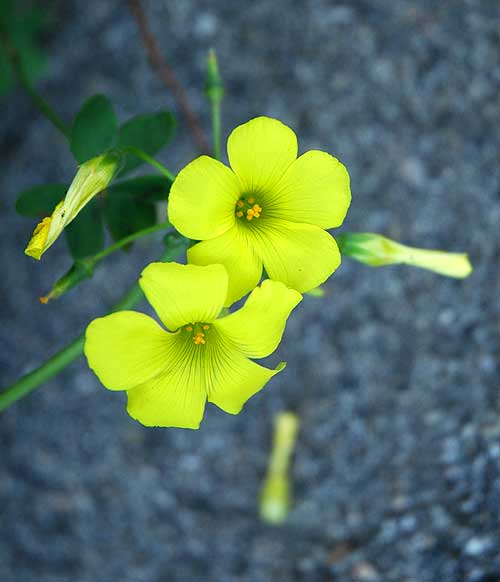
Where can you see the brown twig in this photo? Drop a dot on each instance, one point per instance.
(166, 74)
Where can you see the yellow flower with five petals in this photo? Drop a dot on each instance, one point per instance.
(169, 375)
(270, 210)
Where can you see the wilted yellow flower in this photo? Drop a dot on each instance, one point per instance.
(275, 496)
(92, 177)
(169, 375)
(269, 211)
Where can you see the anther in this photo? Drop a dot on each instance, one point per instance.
(239, 214)
(199, 338)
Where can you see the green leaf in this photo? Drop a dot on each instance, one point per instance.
(149, 132)
(40, 200)
(124, 214)
(85, 234)
(94, 129)
(148, 188)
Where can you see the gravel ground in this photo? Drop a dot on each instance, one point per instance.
(397, 468)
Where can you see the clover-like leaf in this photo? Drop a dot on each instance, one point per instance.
(147, 188)
(94, 129)
(149, 132)
(85, 234)
(40, 200)
(125, 214)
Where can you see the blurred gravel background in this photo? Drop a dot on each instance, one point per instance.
(397, 468)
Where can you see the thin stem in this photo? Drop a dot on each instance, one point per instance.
(42, 105)
(151, 161)
(216, 128)
(167, 75)
(62, 359)
(50, 368)
(214, 91)
(128, 239)
(84, 268)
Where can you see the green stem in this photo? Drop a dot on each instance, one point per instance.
(216, 128)
(149, 160)
(214, 90)
(128, 239)
(38, 100)
(50, 368)
(62, 359)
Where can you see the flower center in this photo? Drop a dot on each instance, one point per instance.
(197, 332)
(248, 207)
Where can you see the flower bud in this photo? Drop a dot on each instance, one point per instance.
(275, 497)
(92, 177)
(376, 250)
(81, 270)
(214, 89)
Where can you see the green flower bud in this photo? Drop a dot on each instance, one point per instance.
(376, 250)
(214, 89)
(78, 272)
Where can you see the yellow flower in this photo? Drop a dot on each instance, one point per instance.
(269, 211)
(169, 375)
(92, 177)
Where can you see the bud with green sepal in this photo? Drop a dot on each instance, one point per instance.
(92, 177)
(377, 250)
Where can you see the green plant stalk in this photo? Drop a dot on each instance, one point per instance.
(37, 99)
(216, 125)
(128, 239)
(149, 160)
(84, 268)
(62, 359)
(214, 91)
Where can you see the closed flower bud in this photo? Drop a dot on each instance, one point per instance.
(376, 250)
(275, 497)
(92, 177)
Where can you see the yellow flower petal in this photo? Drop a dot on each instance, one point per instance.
(232, 378)
(181, 294)
(257, 328)
(177, 396)
(300, 255)
(314, 190)
(260, 152)
(126, 348)
(202, 199)
(233, 250)
(36, 246)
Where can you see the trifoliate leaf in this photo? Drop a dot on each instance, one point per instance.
(125, 214)
(94, 129)
(85, 234)
(40, 200)
(149, 132)
(148, 188)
